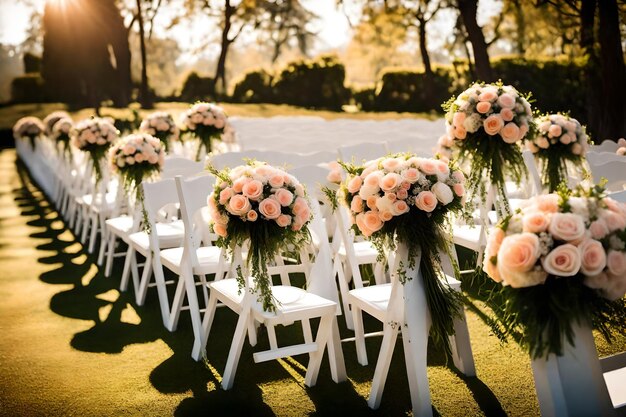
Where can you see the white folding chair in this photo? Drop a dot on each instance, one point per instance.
(362, 151)
(535, 185)
(606, 146)
(613, 171)
(387, 303)
(293, 304)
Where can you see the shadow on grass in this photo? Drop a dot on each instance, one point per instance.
(96, 298)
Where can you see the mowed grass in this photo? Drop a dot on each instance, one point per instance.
(10, 114)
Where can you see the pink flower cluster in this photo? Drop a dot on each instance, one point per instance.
(335, 173)
(205, 114)
(392, 186)
(560, 131)
(62, 128)
(258, 192)
(583, 236)
(28, 127)
(498, 110)
(160, 124)
(621, 147)
(94, 131)
(445, 145)
(138, 149)
(50, 120)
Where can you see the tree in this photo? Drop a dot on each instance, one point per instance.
(468, 10)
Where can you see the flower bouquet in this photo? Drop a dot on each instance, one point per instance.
(562, 262)
(50, 120)
(445, 148)
(264, 206)
(621, 147)
(136, 158)
(206, 121)
(28, 127)
(95, 136)
(61, 133)
(161, 125)
(487, 122)
(403, 199)
(559, 139)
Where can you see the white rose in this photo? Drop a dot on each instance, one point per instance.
(443, 193)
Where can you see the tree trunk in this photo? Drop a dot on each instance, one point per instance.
(520, 23)
(468, 9)
(613, 76)
(423, 48)
(220, 71)
(591, 69)
(144, 93)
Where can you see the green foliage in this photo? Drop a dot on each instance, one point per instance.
(313, 83)
(557, 85)
(197, 88)
(412, 91)
(27, 88)
(32, 63)
(254, 87)
(365, 98)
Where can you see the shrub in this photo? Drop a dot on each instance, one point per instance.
(365, 98)
(254, 87)
(316, 84)
(413, 91)
(27, 88)
(197, 88)
(32, 63)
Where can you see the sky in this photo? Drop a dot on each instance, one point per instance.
(332, 27)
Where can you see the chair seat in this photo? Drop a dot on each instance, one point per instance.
(120, 226)
(170, 236)
(365, 252)
(373, 299)
(292, 303)
(467, 236)
(208, 259)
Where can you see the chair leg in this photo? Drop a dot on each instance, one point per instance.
(177, 304)
(390, 335)
(140, 295)
(315, 358)
(335, 355)
(110, 254)
(343, 288)
(164, 302)
(462, 348)
(130, 256)
(415, 358)
(104, 240)
(359, 336)
(235, 348)
(94, 232)
(199, 345)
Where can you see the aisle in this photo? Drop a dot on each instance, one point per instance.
(72, 344)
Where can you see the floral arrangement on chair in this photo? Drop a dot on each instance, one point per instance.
(137, 157)
(262, 205)
(621, 147)
(50, 120)
(559, 139)
(28, 127)
(488, 122)
(61, 133)
(95, 136)
(207, 122)
(161, 125)
(561, 259)
(445, 148)
(406, 199)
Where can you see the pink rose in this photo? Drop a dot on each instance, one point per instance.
(493, 124)
(426, 201)
(252, 189)
(487, 95)
(483, 107)
(567, 227)
(428, 166)
(562, 261)
(460, 132)
(547, 203)
(373, 179)
(372, 221)
(517, 256)
(593, 257)
(459, 189)
(510, 132)
(507, 114)
(270, 208)
(535, 222)
(354, 184)
(598, 229)
(554, 131)
(577, 149)
(458, 118)
(566, 139)
(277, 180)
(371, 202)
(238, 205)
(458, 176)
(385, 215)
(334, 176)
(360, 222)
(400, 207)
(506, 100)
(491, 269)
(300, 205)
(597, 282)
(356, 205)
(219, 229)
(613, 220)
(225, 195)
(252, 215)
(411, 175)
(391, 164)
(239, 183)
(284, 197)
(402, 194)
(283, 220)
(616, 262)
(390, 181)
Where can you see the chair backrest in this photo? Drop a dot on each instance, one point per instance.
(193, 194)
(177, 165)
(362, 151)
(613, 171)
(531, 166)
(605, 146)
(619, 196)
(598, 158)
(156, 196)
(231, 159)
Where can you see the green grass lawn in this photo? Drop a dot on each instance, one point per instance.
(10, 114)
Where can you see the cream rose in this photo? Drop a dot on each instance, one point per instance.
(252, 189)
(493, 124)
(566, 227)
(270, 208)
(355, 184)
(616, 262)
(284, 197)
(517, 256)
(426, 201)
(593, 257)
(390, 181)
(238, 205)
(443, 193)
(562, 261)
(535, 222)
(510, 132)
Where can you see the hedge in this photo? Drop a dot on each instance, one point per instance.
(197, 88)
(254, 87)
(28, 88)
